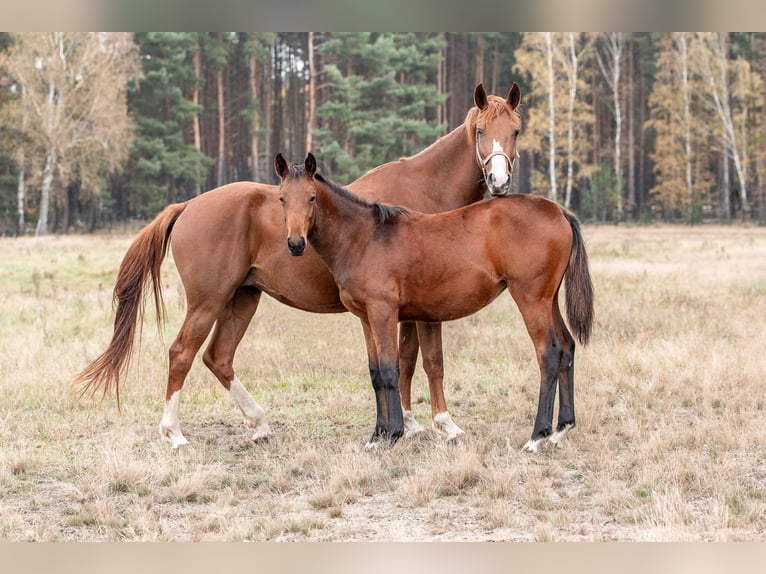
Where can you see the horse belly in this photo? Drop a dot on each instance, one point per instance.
(458, 297)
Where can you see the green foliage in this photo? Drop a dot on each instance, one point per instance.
(382, 90)
(601, 202)
(163, 167)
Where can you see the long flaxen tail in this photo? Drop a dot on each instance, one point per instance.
(579, 287)
(139, 269)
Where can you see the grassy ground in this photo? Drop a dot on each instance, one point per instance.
(669, 394)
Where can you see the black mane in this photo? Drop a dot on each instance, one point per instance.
(383, 213)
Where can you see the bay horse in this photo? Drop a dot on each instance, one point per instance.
(228, 247)
(392, 264)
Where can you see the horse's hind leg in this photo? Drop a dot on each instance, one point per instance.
(430, 335)
(219, 356)
(566, 419)
(539, 321)
(549, 360)
(408, 357)
(196, 326)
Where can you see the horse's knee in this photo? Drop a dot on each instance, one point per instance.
(221, 368)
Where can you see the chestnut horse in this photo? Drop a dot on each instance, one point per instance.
(228, 246)
(392, 264)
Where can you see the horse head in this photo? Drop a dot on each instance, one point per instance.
(298, 197)
(495, 124)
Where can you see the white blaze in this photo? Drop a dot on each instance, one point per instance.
(498, 167)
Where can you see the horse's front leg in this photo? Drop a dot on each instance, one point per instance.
(380, 337)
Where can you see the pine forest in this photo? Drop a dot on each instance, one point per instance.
(99, 130)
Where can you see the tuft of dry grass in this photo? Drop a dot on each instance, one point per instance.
(668, 394)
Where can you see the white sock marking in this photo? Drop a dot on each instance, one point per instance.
(255, 416)
(170, 427)
(443, 424)
(411, 426)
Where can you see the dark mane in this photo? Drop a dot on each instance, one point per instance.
(383, 213)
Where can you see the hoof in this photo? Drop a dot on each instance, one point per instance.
(411, 426)
(262, 434)
(445, 426)
(557, 438)
(381, 438)
(458, 439)
(261, 439)
(531, 445)
(176, 439)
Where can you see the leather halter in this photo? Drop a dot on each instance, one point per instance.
(484, 161)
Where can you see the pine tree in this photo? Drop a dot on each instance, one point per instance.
(382, 85)
(164, 164)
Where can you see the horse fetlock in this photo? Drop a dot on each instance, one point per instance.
(557, 438)
(174, 436)
(411, 426)
(444, 425)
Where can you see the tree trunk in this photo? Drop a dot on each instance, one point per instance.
(256, 122)
(496, 58)
(573, 71)
(220, 176)
(195, 101)
(479, 61)
(631, 210)
(687, 114)
(45, 193)
(21, 192)
(310, 126)
(552, 117)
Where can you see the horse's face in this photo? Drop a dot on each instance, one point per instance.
(298, 197)
(496, 129)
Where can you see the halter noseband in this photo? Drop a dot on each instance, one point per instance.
(484, 161)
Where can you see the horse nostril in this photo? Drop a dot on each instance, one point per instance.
(296, 247)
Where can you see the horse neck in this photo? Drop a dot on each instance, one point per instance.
(446, 172)
(339, 224)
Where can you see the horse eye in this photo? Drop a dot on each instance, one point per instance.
(312, 199)
(516, 133)
(281, 199)
(479, 131)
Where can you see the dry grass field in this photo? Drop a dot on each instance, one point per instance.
(670, 401)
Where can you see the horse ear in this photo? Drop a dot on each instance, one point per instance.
(480, 97)
(514, 96)
(310, 165)
(280, 166)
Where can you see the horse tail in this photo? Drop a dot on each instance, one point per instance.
(140, 266)
(579, 287)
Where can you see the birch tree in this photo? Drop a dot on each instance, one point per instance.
(728, 86)
(552, 60)
(72, 87)
(570, 56)
(609, 60)
(671, 120)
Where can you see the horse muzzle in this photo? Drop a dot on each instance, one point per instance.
(296, 247)
(498, 191)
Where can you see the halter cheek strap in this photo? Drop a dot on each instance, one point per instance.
(484, 161)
